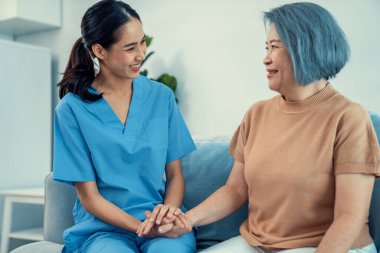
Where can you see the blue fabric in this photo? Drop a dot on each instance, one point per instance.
(130, 243)
(126, 161)
(206, 170)
(374, 211)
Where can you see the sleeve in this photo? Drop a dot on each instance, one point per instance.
(71, 159)
(356, 149)
(238, 142)
(180, 142)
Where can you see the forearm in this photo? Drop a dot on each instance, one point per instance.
(341, 235)
(175, 188)
(110, 213)
(221, 203)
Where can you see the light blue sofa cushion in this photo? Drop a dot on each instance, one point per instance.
(205, 170)
(374, 211)
(40, 247)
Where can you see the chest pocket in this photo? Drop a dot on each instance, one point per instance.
(157, 130)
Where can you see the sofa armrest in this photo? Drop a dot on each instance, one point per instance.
(59, 202)
(39, 247)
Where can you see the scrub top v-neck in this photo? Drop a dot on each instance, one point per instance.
(135, 107)
(126, 161)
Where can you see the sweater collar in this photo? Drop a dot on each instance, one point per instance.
(307, 104)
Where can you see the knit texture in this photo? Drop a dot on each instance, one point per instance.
(292, 152)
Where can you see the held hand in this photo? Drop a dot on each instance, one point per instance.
(150, 230)
(164, 211)
(148, 227)
(182, 225)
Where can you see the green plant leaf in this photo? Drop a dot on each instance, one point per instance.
(168, 80)
(144, 72)
(147, 57)
(148, 40)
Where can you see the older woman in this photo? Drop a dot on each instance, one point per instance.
(306, 159)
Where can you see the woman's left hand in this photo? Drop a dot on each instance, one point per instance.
(162, 214)
(182, 225)
(164, 211)
(151, 230)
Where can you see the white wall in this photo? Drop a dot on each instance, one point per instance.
(215, 49)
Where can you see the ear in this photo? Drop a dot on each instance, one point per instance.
(98, 51)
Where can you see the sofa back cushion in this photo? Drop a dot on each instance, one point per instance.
(205, 170)
(374, 211)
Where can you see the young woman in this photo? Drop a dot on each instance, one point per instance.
(306, 159)
(116, 135)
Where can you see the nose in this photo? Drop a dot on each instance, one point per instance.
(141, 52)
(267, 60)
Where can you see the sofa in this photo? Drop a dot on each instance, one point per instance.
(205, 170)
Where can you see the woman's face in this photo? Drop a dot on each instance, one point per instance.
(278, 63)
(123, 59)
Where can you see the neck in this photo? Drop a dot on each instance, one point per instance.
(298, 93)
(113, 86)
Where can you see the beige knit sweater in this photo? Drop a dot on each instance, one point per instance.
(291, 153)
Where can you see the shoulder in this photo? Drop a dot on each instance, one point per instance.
(347, 109)
(348, 114)
(67, 102)
(70, 104)
(153, 87)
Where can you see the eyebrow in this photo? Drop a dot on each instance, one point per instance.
(271, 41)
(134, 43)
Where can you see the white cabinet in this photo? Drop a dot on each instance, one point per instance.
(26, 16)
(25, 127)
(25, 196)
(25, 115)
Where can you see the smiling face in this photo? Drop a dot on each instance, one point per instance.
(278, 63)
(123, 59)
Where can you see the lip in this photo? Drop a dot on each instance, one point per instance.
(135, 67)
(271, 73)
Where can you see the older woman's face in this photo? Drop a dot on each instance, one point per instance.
(278, 64)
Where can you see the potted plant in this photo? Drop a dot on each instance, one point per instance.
(164, 78)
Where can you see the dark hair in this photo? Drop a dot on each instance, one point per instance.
(317, 46)
(100, 25)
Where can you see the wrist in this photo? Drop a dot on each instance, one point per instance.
(171, 204)
(191, 219)
(135, 225)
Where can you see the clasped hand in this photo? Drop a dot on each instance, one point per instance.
(165, 221)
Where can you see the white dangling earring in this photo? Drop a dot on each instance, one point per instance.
(95, 60)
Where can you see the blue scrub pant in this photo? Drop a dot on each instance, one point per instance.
(111, 242)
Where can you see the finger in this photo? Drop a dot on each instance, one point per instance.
(161, 214)
(171, 211)
(148, 227)
(155, 212)
(177, 212)
(165, 228)
(167, 220)
(141, 228)
(178, 222)
(147, 214)
(186, 221)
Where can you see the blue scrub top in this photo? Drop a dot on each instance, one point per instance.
(126, 161)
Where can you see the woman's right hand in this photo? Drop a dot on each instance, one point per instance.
(182, 225)
(169, 228)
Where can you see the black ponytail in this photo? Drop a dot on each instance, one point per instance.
(79, 74)
(100, 25)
